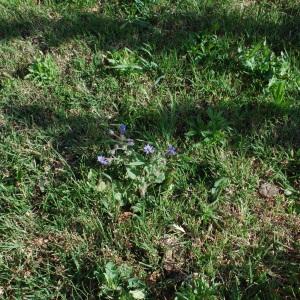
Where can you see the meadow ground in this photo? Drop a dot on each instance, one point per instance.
(215, 216)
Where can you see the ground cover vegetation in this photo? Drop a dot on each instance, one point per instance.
(149, 149)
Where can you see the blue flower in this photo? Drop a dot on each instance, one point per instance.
(122, 129)
(103, 160)
(171, 150)
(148, 149)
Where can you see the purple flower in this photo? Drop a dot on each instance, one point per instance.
(171, 150)
(122, 129)
(103, 160)
(148, 149)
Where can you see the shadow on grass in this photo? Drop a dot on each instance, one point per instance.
(273, 277)
(248, 124)
(176, 29)
(71, 135)
(74, 135)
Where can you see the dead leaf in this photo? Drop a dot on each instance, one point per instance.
(178, 228)
(168, 241)
(153, 277)
(125, 216)
(268, 190)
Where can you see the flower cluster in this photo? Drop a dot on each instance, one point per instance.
(124, 142)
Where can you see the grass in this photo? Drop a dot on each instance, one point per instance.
(219, 80)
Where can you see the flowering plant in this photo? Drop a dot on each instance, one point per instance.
(144, 165)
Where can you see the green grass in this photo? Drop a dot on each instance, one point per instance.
(219, 80)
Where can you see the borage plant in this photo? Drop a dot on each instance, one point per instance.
(139, 161)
